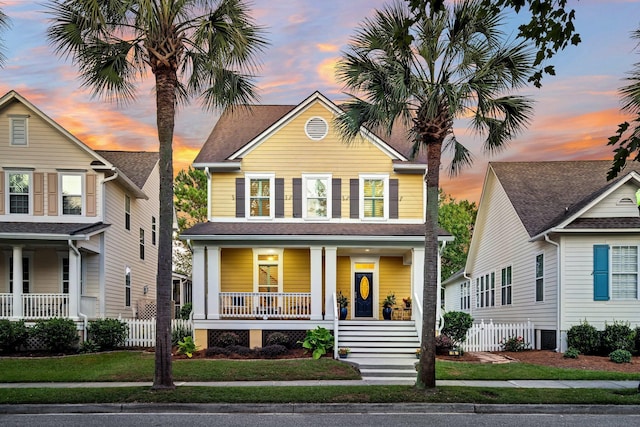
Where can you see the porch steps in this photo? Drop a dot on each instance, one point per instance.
(383, 350)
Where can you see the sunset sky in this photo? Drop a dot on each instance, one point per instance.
(575, 111)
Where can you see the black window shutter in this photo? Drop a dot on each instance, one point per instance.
(354, 201)
(336, 198)
(393, 198)
(297, 197)
(279, 197)
(240, 198)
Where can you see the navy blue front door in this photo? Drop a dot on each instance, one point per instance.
(364, 294)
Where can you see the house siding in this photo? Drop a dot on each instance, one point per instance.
(500, 240)
(236, 270)
(297, 267)
(611, 206)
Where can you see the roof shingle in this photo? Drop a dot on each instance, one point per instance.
(136, 165)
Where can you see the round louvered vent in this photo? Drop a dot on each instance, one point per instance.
(316, 128)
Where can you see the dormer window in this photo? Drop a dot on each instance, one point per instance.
(18, 131)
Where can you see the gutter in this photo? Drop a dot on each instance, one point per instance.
(558, 292)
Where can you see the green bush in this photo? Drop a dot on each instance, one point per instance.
(89, 346)
(279, 338)
(319, 341)
(108, 333)
(215, 351)
(227, 339)
(187, 346)
(456, 325)
(57, 334)
(179, 333)
(514, 344)
(637, 339)
(185, 311)
(272, 351)
(13, 335)
(571, 353)
(620, 356)
(584, 338)
(443, 344)
(240, 350)
(618, 336)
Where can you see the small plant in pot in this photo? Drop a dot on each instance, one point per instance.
(343, 352)
(388, 302)
(343, 302)
(407, 302)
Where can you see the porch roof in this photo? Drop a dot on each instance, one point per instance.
(49, 230)
(311, 231)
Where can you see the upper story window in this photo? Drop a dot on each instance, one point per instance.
(127, 212)
(71, 193)
(317, 196)
(374, 196)
(260, 196)
(142, 243)
(153, 230)
(18, 131)
(506, 286)
(19, 192)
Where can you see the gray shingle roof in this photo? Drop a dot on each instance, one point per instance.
(546, 193)
(70, 229)
(239, 126)
(136, 165)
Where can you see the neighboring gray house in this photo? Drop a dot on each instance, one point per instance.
(78, 227)
(554, 243)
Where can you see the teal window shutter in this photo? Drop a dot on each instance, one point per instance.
(601, 272)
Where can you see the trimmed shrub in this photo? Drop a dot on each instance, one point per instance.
(227, 339)
(240, 350)
(108, 333)
(443, 344)
(185, 311)
(620, 356)
(584, 338)
(571, 353)
(57, 334)
(215, 351)
(272, 351)
(13, 335)
(279, 338)
(637, 339)
(514, 344)
(89, 346)
(618, 336)
(179, 333)
(456, 325)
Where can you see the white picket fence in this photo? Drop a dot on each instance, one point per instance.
(142, 333)
(489, 336)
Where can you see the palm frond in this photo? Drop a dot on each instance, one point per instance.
(461, 156)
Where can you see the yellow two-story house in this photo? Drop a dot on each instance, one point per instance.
(298, 216)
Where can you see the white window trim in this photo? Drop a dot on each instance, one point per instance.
(535, 274)
(82, 195)
(126, 196)
(480, 294)
(247, 194)
(8, 195)
(385, 179)
(308, 177)
(510, 286)
(611, 297)
(12, 119)
(127, 271)
(465, 296)
(256, 269)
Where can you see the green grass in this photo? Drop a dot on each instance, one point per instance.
(324, 394)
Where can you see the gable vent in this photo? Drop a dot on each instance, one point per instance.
(626, 201)
(316, 128)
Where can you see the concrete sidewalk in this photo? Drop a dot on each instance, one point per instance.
(566, 384)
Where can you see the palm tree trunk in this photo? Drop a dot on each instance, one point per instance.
(166, 81)
(427, 367)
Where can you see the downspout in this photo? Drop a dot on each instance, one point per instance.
(208, 173)
(85, 318)
(439, 296)
(558, 293)
(464, 274)
(103, 303)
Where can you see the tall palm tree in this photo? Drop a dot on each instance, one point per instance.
(628, 140)
(193, 48)
(4, 24)
(423, 72)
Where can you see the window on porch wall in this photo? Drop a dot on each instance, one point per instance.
(65, 275)
(25, 275)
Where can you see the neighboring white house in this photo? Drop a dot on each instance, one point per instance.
(78, 227)
(554, 243)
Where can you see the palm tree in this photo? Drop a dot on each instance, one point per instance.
(194, 48)
(628, 141)
(423, 71)
(4, 24)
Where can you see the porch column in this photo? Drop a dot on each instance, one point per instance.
(17, 282)
(74, 283)
(213, 280)
(316, 282)
(198, 281)
(417, 283)
(330, 272)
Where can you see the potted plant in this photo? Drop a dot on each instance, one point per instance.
(407, 302)
(343, 352)
(343, 302)
(388, 302)
(417, 353)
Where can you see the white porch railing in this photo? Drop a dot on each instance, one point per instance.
(45, 306)
(271, 305)
(6, 305)
(142, 332)
(489, 336)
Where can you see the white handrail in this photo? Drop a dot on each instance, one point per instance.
(336, 312)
